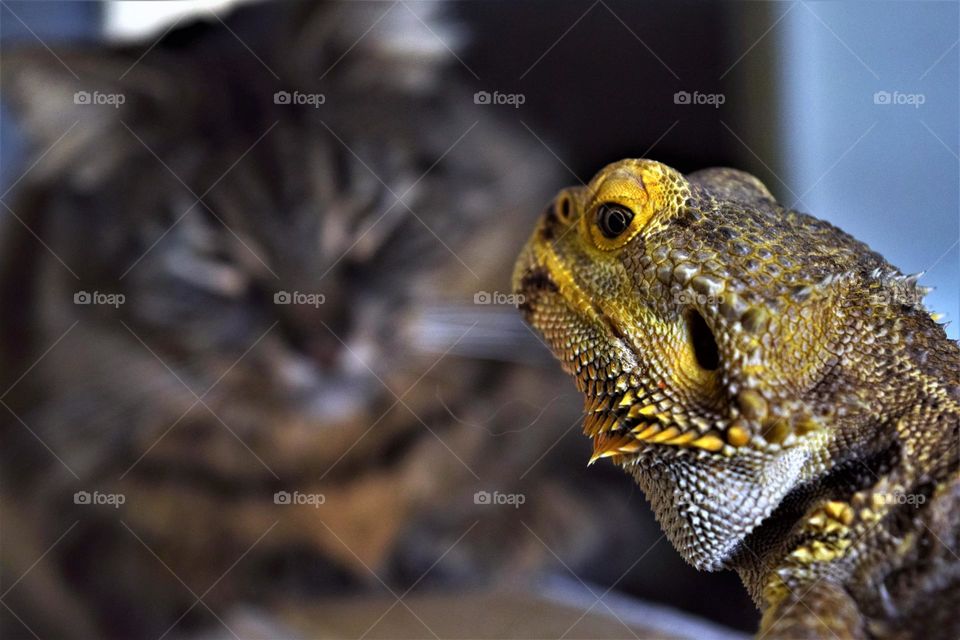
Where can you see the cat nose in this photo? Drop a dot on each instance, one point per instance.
(318, 332)
(325, 348)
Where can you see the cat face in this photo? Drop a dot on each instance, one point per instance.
(276, 244)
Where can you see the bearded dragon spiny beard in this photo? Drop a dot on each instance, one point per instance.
(776, 388)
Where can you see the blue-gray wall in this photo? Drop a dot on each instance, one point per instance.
(30, 23)
(885, 172)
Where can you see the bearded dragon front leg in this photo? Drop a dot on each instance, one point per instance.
(803, 598)
(819, 610)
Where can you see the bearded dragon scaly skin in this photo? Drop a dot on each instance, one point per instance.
(776, 388)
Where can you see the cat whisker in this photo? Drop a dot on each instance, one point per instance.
(476, 331)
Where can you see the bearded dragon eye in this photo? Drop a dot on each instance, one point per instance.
(613, 219)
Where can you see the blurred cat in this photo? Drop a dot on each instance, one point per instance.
(250, 278)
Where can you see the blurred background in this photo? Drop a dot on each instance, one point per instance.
(261, 372)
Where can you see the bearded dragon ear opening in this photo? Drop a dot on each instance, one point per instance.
(704, 344)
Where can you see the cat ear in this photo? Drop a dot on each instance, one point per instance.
(400, 44)
(85, 92)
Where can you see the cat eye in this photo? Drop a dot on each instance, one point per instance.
(213, 276)
(613, 219)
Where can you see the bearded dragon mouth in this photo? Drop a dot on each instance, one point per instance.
(626, 424)
(624, 411)
(627, 408)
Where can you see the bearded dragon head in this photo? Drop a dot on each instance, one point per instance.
(708, 329)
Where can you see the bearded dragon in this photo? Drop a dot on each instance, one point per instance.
(777, 389)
